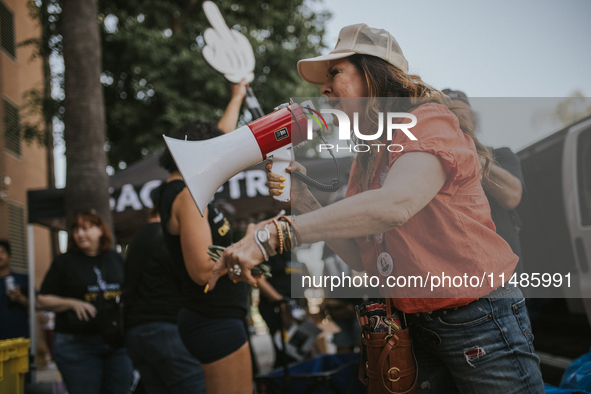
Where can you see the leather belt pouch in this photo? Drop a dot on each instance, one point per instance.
(388, 364)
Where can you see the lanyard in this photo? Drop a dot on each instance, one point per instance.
(384, 262)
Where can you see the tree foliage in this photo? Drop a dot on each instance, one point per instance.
(39, 106)
(155, 77)
(573, 108)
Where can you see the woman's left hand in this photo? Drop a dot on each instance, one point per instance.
(240, 258)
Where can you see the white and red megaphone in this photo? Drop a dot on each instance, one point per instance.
(207, 165)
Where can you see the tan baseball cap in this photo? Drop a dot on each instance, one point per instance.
(354, 39)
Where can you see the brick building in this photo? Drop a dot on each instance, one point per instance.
(23, 166)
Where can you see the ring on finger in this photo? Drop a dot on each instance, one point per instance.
(237, 270)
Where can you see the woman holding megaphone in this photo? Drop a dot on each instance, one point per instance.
(422, 209)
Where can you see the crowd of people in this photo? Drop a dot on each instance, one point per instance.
(185, 313)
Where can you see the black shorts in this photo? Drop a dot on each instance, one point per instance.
(210, 339)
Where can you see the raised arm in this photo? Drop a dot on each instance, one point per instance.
(228, 122)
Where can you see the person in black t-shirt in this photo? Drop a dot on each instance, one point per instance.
(504, 195)
(210, 323)
(14, 318)
(152, 301)
(78, 286)
(504, 186)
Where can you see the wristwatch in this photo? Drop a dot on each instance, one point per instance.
(260, 245)
(263, 236)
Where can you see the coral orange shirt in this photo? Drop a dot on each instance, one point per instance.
(453, 235)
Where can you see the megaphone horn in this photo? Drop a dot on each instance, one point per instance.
(207, 165)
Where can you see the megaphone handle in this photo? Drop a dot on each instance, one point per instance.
(281, 159)
(279, 167)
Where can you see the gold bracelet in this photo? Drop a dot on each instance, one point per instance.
(284, 220)
(291, 243)
(280, 235)
(296, 232)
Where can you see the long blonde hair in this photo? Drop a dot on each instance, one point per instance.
(386, 80)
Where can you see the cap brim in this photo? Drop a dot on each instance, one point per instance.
(313, 70)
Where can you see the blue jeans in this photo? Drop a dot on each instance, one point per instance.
(165, 364)
(89, 366)
(484, 347)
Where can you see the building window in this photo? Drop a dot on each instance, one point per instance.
(18, 238)
(7, 39)
(12, 130)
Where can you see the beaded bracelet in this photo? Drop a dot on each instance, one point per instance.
(281, 230)
(286, 236)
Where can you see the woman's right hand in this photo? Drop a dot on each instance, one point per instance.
(84, 310)
(275, 182)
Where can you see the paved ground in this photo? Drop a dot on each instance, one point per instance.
(48, 375)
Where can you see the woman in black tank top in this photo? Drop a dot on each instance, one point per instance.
(210, 324)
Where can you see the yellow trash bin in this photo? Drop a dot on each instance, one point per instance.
(14, 363)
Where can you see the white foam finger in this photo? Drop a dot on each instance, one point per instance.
(216, 19)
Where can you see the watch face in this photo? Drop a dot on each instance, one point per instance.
(263, 236)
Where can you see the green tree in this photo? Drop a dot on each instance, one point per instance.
(38, 102)
(155, 77)
(573, 108)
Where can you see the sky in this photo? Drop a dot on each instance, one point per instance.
(535, 51)
(495, 48)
